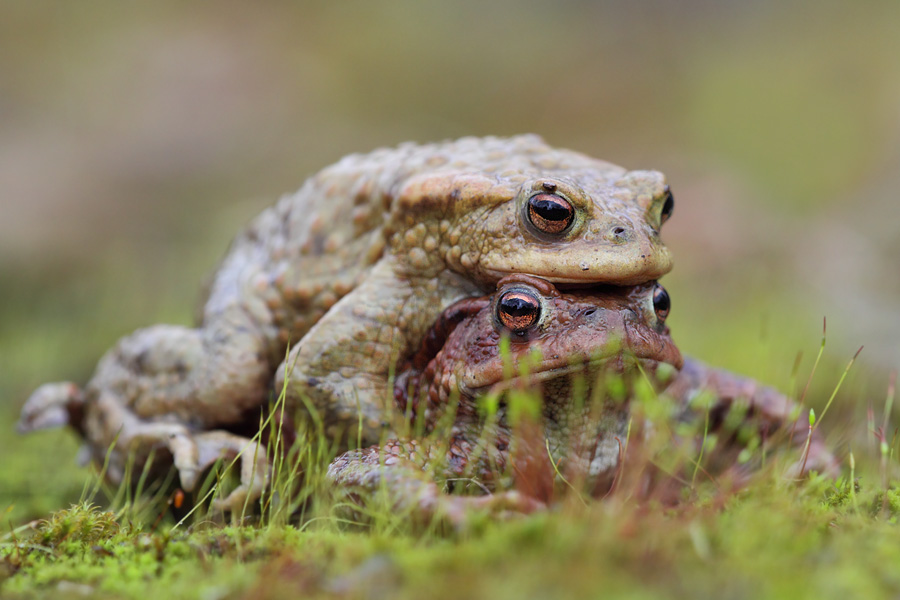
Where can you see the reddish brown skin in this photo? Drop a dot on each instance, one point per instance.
(460, 357)
(469, 362)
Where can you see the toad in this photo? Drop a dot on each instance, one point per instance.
(322, 294)
(586, 353)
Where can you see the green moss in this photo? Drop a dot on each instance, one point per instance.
(773, 539)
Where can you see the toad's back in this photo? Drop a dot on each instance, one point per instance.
(297, 258)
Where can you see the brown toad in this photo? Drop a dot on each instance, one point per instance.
(565, 345)
(351, 271)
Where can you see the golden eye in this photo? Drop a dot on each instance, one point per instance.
(550, 213)
(668, 206)
(518, 310)
(661, 302)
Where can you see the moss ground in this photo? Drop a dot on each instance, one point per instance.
(771, 540)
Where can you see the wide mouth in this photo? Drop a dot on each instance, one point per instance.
(588, 280)
(622, 365)
(601, 264)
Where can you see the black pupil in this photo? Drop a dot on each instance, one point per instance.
(668, 206)
(518, 307)
(552, 210)
(661, 300)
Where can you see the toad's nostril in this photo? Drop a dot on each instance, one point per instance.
(619, 234)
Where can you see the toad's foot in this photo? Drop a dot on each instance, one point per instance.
(116, 436)
(52, 405)
(398, 469)
(214, 445)
(193, 453)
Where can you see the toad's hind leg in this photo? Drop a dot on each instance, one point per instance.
(203, 377)
(343, 364)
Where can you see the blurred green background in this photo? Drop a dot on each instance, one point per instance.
(137, 138)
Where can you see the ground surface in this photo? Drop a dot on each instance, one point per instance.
(771, 541)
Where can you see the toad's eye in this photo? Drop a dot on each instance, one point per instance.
(668, 207)
(661, 302)
(550, 213)
(518, 310)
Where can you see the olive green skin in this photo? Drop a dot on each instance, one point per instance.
(348, 274)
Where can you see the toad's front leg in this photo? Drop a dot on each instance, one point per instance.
(766, 411)
(342, 367)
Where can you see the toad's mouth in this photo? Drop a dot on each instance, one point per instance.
(582, 279)
(622, 366)
(621, 265)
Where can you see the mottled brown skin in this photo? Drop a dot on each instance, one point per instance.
(581, 334)
(351, 271)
